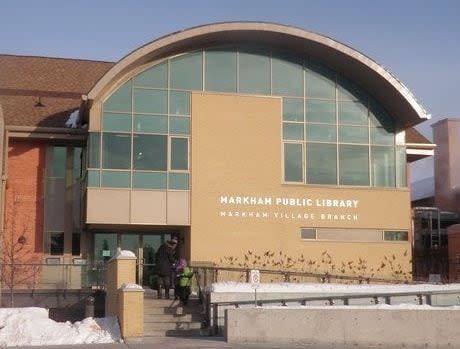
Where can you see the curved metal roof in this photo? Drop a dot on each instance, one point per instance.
(374, 78)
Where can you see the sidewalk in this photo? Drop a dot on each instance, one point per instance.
(196, 343)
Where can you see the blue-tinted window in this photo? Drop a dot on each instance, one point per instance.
(150, 101)
(120, 100)
(187, 72)
(254, 72)
(150, 152)
(156, 76)
(221, 70)
(287, 76)
(293, 162)
(116, 150)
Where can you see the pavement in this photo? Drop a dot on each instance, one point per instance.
(200, 343)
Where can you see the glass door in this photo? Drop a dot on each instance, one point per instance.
(150, 245)
(143, 245)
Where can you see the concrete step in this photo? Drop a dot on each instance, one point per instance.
(179, 326)
(172, 318)
(172, 311)
(177, 333)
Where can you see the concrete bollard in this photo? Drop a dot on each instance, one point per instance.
(131, 310)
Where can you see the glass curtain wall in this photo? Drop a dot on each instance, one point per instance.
(333, 132)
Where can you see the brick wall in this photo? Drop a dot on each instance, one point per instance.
(23, 226)
(453, 234)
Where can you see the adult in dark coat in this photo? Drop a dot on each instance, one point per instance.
(164, 261)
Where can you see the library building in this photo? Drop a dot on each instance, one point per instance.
(247, 141)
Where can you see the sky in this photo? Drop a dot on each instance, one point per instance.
(418, 41)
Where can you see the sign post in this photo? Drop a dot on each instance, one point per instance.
(254, 279)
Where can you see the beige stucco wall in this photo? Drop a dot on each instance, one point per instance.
(236, 151)
(144, 207)
(131, 312)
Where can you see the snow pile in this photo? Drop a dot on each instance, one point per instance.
(72, 121)
(327, 288)
(132, 287)
(123, 254)
(32, 326)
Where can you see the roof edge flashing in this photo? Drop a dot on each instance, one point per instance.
(414, 111)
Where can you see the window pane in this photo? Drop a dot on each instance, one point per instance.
(379, 135)
(94, 149)
(186, 72)
(179, 103)
(321, 163)
(354, 165)
(156, 76)
(151, 123)
(57, 157)
(320, 81)
(179, 125)
(117, 122)
(321, 111)
(379, 117)
(116, 179)
(354, 134)
(105, 246)
(130, 242)
(94, 178)
(383, 166)
(56, 244)
(178, 181)
(120, 100)
(150, 101)
(293, 131)
(179, 154)
(348, 90)
(116, 150)
(254, 72)
(396, 236)
(75, 244)
(292, 109)
(293, 162)
(308, 233)
(221, 70)
(352, 113)
(150, 152)
(401, 177)
(321, 133)
(287, 77)
(54, 204)
(149, 180)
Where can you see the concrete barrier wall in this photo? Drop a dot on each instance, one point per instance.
(436, 300)
(434, 328)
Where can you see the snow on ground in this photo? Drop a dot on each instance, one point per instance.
(328, 288)
(32, 326)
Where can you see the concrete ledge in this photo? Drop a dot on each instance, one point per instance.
(434, 328)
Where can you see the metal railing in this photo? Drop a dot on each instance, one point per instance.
(418, 297)
(212, 274)
(52, 276)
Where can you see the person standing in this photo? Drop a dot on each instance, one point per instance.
(185, 281)
(164, 261)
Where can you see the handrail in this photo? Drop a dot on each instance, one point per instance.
(324, 277)
(330, 299)
(375, 296)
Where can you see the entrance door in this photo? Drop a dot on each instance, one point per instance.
(143, 245)
(150, 245)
